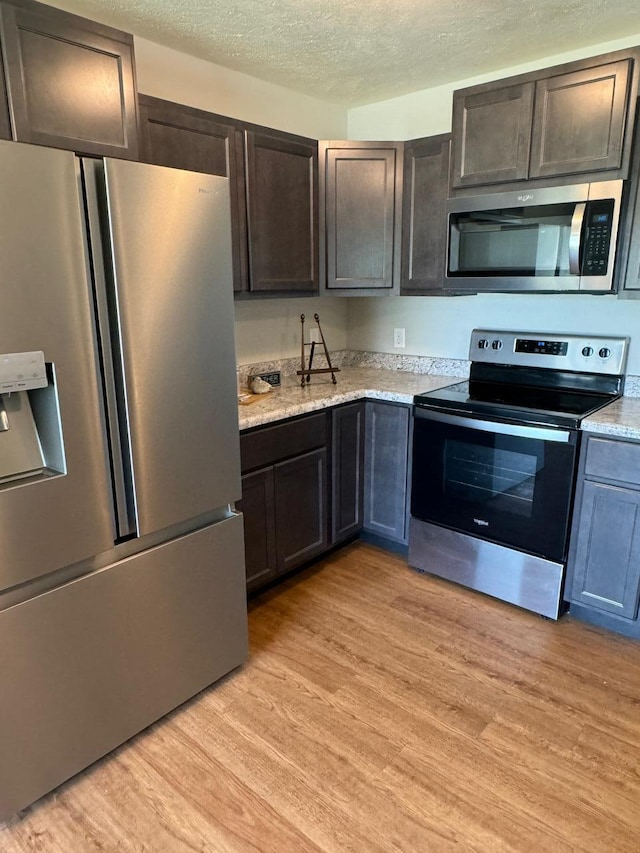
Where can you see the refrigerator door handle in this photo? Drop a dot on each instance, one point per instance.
(119, 447)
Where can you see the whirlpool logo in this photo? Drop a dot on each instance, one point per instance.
(480, 522)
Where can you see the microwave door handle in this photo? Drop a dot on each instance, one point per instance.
(575, 237)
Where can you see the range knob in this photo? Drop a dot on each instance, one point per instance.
(483, 343)
(587, 351)
(497, 344)
(605, 352)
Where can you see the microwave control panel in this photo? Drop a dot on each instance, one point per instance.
(598, 227)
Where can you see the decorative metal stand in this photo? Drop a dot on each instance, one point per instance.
(305, 372)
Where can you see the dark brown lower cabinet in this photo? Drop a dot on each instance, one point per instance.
(607, 571)
(347, 470)
(258, 508)
(300, 486)
(386, 470)
(313, 482)
(285, 496)
(603, 572)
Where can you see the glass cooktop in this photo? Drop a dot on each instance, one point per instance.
(555, 406)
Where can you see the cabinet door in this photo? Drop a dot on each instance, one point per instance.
(70, 81)
(185, 138)
(347, 467)
(424, 193)
(607, 563)
(386, 470)
(630, 251)
(491, 134)
(258, 508)
(282, 205)
(301, 498)
(579, 120)
(360, 215)
(5, 124)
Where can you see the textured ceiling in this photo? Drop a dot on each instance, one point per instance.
(354, 52)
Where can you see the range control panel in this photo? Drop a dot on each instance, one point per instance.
(542, 347)
(589, 354)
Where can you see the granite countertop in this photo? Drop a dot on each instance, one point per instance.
(621, 419)
(353, 383)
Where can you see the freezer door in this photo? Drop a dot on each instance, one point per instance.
(169, 236)
(87, 665)
(48, 520)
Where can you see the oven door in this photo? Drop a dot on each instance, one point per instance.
(503, 482)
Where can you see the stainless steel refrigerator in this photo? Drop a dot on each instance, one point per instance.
(122, 582)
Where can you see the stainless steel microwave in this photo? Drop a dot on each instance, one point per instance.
(540, 239)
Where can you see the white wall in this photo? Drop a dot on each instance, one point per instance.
(428, 112)
(166, 73)
(269, 329)
(440, 326)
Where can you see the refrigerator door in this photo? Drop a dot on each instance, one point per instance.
(59, 512)
(91, 663)
(167, 236)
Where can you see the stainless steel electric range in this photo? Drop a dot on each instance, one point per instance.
(495, 459)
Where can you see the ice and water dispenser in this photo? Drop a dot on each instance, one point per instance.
(30, 427)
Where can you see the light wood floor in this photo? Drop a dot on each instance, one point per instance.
(380, 710)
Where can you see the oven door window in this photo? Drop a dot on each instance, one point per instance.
(490, 476)
(507, 489)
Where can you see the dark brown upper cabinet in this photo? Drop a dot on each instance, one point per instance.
(5, 124)
(186, 138)
(360, 216)
(579, 120)
(70, 81)
(628, 252)
(573, 119)
(424, 195)
(492, 132)
(282, 212)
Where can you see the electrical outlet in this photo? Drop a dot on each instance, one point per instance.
(398, 338)
(272, 378)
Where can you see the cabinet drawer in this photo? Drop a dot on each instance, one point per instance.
(613, 460)
(270, 444)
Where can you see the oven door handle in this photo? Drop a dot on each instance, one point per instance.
(539, 433)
